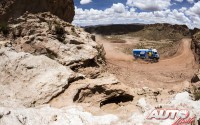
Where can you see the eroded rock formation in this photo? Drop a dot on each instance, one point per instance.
(43, 57)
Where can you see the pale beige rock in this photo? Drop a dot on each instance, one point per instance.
(52, 116)
(97, 92)
(28, 80)
(45, 34)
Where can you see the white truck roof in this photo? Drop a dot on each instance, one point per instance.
(154, 50)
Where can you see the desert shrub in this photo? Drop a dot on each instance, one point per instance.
(59, 29)
(4, 28)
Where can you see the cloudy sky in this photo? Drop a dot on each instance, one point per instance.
(94, 12)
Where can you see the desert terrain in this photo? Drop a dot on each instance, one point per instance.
(56, 73)
(173, 71)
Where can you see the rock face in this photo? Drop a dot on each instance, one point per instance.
(28, 80)
(64, 9)
(196, 43)
(196, 78)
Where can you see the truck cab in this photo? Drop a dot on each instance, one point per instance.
(155, 54)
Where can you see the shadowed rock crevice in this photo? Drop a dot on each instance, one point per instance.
(117, 99)
(70, 81)
(195, 79)
(110, 95)
(88, 63)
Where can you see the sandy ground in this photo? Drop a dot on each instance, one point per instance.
(172, 73)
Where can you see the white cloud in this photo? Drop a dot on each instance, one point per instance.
(194, 14)
(195, 9)
(119, 14)
(119, 7)
(151, 5)
(183, 9)
(190, 1)
(85, 1)
(179, 0)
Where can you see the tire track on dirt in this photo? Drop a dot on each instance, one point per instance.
(172, 71)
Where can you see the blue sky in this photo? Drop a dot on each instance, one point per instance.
(94, 12)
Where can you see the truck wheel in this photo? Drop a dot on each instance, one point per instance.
(155, 60)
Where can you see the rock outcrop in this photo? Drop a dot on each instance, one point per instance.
(45, 34)
(196, 78)
(64, 9)
(196, 43)
(43, 57)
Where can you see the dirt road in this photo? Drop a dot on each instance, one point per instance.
(173, 73)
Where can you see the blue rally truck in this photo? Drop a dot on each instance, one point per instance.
(149, 54)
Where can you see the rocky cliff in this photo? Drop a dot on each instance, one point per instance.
(64, 9)
(114, 29)
(148, 31)
(196, 43)
(42, 55)
(196, 49)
